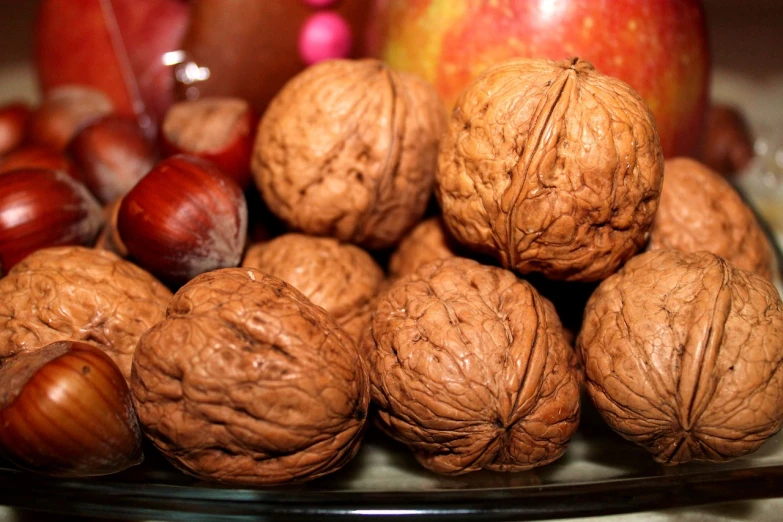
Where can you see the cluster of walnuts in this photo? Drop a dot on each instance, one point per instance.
(446, 313)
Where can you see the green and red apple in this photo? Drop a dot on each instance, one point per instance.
(659, 47)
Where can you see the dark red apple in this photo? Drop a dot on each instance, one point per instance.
(659, 47)
(115, 46)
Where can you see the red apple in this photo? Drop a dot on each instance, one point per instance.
(659, 47)
(115, 46)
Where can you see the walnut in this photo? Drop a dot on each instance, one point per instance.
(341, 278)
(80, 294)
(428, 241)
(248, 382)
(683, 355)
(470, 369)
(348, 149)
(699, 210)
(552, 168)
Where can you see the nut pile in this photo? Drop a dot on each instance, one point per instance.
(259, 290)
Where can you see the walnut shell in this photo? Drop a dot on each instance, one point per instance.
(248, 382)
(470, 369)
(683, 355)
(341, 278)
(348, 149)
(699, 210)
(428, 241)
(551, 167)
(81, 294)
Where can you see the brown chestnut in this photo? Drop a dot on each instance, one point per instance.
(42, 208)
(183, 218)
(728, 143)
(36, 157)
(63, 112)
(221, 130)
(66, 411)
(109, 238)
(14, 118)
(112, 153)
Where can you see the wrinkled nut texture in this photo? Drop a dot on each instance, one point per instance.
(428, 241)
(348, 149)
(551, 167)
(470, 369)
(341, 278)
(80, 294)
(683, 356)
(248, 382)
(699, 210)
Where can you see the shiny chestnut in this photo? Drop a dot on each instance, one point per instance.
(42, 208)
(221, 130)
(37, 157)
(113, 153)
(183, 218)
(14, 118)
(65, 410)
(63, 112)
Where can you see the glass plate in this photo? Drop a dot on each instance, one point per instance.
(599, 474)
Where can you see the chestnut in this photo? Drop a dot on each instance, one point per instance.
(221, 130)
(66, 410)
(14, 118)
(109, 238)
(36, 157)
(64, 111)
(183, 218)
(42, 208)
(112, 153)
(728, 142)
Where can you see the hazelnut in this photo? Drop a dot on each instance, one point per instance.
(347, 149)
(551, 167)
(183, 218)
(66, 411)
(43, 208)
(63, 112)
(14, 118)
(728, 142)
(35, 157)
(113, 154)
(220, 130)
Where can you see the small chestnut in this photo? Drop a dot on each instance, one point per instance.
(65, 410)
(183, 218)
(221, 130)
(13, 126)
(36, 157)
(63, 112)
(112, 153)
(728, 142)
(42, 208)
(109, 238)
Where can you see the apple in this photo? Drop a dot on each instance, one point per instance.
(250, 48)
(659, 47)
(115, 46)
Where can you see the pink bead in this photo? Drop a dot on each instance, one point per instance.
(324, 36)
(318, 4)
